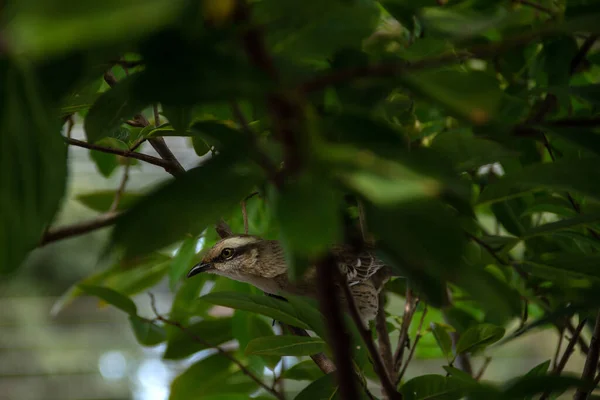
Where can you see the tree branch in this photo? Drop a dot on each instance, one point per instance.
(123, 153)
(338, 337)
(409, 311)
(413, 348)
(219, 349)
(538, 7)
(378, 365)
(102, 221)
(383, 336)
(591, 362)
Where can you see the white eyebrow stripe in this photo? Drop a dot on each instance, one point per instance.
(236, 242)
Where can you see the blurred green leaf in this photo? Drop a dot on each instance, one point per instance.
(460, 23)
(247, 326)
(182, 261)
(112, 297)
(182, 343)
(33, 164)
(570, 175)
(323, 388)
(309, 218)
(303, 371)
(45, 28)
(286, 346)
(186, 205)
(264, 305)
(179, 117)
(101, 201)
(468, 152)
(478, 338)
(314, 29)
(443, 340)
(474, 96)
(147, 332)
(587, 140)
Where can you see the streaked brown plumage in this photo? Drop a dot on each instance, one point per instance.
(262, 263)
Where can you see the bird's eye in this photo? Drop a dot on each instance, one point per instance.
(227, 253)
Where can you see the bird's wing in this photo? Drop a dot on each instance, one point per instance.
(357, 267)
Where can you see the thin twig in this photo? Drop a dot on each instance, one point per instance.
(560, 366)
(378, 364)
(483, 368)
(245, 216)
(383, 336)
(102, 221)
(219, 349)
(123, 153)
(414, 346)
(156, 115)
(591, 362)
(409, 311)
(561, 336)
(121, 189)
(70, 125)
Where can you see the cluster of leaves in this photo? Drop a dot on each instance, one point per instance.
(467, 130)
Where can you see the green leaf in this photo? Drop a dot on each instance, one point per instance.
(314, 29)
(459, 374)
(102, 200)
(113, 108)
(264, 305)
(443, 339)
(303, 371)
(182, 261)
(179, 117)
(247, 326)
(563, 224)
(220, 135)
(112, 297)
(105, 162)
(558, 267)
(182, 344)
(478, 337)
(147, 332)
(468, 152)
(434, 387)
(183, 206)
(578, 176)
(472, 95)
(323, 388)
(460, 23)
(530, 385)
(286, 346)
(46, 28)
(205, 377)
(587, 140)
(33, 164)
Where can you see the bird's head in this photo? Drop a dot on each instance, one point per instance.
(232, 256)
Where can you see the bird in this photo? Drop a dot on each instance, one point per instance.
(262, 263)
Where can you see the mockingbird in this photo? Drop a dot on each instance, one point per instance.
(262, 263)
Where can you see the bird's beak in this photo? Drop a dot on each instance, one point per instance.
(200, 267)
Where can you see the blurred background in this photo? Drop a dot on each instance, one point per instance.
(87, 351)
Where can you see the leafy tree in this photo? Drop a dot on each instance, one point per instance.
(461, 135)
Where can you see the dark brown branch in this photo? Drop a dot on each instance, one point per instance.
(575, 122)
(338, 337)
(219, 349)
(383, 336)
(560, 366)
(561, 336)
(591, 362)
(378, 365)
(123, 153)
(414, 346)
(102, 221)
(582, 53)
